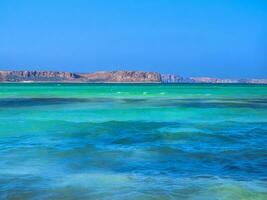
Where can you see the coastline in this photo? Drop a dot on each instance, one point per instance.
(110, 77)
(161, 83)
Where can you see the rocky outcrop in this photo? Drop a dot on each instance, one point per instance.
(171, 78)
(18, 76)
(51, 76)
(223, 80)
(113, 77)
(121, 76)
(212, 80)
(254, 81)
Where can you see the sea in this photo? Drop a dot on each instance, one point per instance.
(64, 141)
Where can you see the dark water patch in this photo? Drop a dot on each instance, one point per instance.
(134, 101)
(137, 129)
(209, 103)
(28, 102)
(138, 102)
(200, 102)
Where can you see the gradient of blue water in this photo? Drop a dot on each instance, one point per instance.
(134, 147)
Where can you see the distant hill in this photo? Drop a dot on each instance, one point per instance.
(171, 78)
(96, 77)
(113, 77)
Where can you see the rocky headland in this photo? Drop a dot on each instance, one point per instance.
(96, 77)
(113, 77)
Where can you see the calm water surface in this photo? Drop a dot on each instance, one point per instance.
(135, 142)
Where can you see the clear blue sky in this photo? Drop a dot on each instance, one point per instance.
(222, 38)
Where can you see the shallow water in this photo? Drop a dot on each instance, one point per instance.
(121, 141)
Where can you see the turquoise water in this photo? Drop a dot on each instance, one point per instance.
(136, 142)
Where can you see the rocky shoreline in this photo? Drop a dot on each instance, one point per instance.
(112, 77)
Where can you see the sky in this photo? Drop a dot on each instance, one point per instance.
(219, 38)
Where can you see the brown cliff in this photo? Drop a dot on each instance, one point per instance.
(52, 76)
(121, 76)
